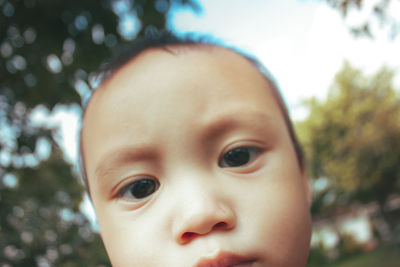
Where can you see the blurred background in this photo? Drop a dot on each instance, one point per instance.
(336, 61)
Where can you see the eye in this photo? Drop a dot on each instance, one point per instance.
(238, 157)
(139, 189)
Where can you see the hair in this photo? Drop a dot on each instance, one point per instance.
(166, 40)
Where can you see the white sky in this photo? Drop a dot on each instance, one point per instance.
(302, 42)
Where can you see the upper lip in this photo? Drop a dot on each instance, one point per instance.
(224, 259)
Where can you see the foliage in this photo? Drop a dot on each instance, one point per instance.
(317, 256)
(387, 256)
(41, 221)
(380, 16)
(48, 48)
(353, 137)
(348, 245)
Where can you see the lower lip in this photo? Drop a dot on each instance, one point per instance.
(227, 261)
(245, 264)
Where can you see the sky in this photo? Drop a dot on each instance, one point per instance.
(303, 43)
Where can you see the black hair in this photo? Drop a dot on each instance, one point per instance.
(166, 40)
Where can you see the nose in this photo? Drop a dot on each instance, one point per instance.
(203, 213)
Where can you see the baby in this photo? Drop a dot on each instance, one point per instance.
(190, 159)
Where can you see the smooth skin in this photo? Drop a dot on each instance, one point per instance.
(188, 157)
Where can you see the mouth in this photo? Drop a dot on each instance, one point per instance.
(225, 259)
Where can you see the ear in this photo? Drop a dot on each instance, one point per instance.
(306, 186)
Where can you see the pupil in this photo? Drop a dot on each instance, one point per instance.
(143, 188)
(237, 157)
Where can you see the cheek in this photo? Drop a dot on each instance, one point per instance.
(278, 209)
(279, 216)
(129, 240)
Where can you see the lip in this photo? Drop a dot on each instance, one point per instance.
(226, 259)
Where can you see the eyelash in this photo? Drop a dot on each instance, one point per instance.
(239, 156)
(139, 189)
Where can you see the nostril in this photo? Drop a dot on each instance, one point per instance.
(188, 236)
(220, 225)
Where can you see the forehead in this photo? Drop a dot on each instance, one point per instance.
(202, 78)
(192, 68)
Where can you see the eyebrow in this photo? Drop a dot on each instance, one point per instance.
(120, 156)
(209, 129)
(226, 122)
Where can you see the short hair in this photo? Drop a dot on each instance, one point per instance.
(165, 40)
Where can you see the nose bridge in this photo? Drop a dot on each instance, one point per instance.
(202, 209)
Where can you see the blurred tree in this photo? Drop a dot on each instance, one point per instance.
(48, 48)
(353, 137)
(369, 16)
(41, 224)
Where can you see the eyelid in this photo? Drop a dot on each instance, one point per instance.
(124, 184)
(243, 144)
(239, 144)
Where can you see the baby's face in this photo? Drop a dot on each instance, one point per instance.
(190, 163)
